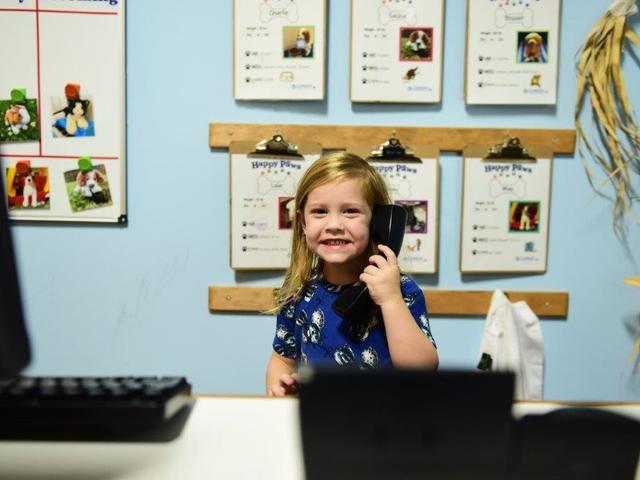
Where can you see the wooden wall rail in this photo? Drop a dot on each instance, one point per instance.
(335, 137)
(439, 302)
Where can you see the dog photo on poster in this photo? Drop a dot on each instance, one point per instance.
(20, 115)
(28, 186)
(87, 186)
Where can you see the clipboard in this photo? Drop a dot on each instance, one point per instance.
(396, 51)
(412, 175)
(263, 178)
(268, 63)
(506, 198)
(496, 33)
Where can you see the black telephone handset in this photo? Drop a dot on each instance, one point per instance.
(388, 223)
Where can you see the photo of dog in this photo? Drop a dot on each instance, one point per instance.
(417, 215)
(286, 213)
(28, 187)
(524, 216)
(532, 47)
(29, 192)
(87, 186)
(19, 118)
(416, 44)
(297, 41)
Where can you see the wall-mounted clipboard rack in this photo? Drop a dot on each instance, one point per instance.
(336, 137)
(439, 302)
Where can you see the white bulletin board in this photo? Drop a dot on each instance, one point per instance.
(505, 213)
(62, 150)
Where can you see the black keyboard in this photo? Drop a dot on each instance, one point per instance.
(90, 408)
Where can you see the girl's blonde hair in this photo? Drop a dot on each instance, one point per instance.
(336, 167)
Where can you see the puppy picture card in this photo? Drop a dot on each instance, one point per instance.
(512, 52)
(27, 186)
(279, 49)
(505, 213)
(396, 50)
(19, 118)
(415, 186)
(87, 186)
(262, 188)
(72, 114)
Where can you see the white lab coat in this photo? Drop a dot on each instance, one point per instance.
(513, 338)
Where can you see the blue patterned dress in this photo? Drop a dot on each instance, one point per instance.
(311, 333)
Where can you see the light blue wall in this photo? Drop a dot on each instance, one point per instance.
(110, 300)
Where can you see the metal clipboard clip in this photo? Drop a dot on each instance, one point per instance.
(509, 149)
(392, 149)
(277, 145)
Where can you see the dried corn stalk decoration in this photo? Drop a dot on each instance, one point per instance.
(616, 146)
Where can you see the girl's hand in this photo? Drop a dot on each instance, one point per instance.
(287, 385)
(382, 277)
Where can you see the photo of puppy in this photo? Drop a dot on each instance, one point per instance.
(417, 215)
(524, 216)
(27, 186)
(287, 212)
(29, 192)
(297, 41)
(17, 118)
(420, 43)
(532, 47)
(87, 186)
(416, 44)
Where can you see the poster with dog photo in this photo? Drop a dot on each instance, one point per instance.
(262, 188)
(396, 50)
(72, 114)
(27, 186)
(87, 186)
(512, 52)
(279, 49)
(20, 118)
(505, 213)
(414, 184)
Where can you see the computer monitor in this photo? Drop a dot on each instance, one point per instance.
(406, 424)
(15, 352)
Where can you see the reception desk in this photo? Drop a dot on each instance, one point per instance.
(220, 438)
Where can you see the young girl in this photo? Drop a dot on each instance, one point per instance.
(331, 249)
